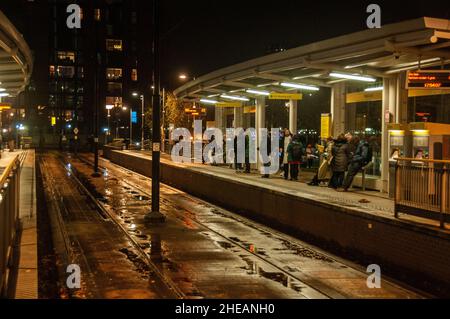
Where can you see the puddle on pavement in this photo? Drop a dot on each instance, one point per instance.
(306, 252)
(253, 268)
(141, 197)
(224, 244)
(250, 247)
(140, 265)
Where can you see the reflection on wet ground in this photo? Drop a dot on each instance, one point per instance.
(212, 253)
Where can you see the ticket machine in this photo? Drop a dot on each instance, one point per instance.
(398, 138)
(430, 140)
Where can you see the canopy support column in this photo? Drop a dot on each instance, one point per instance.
(338, 108)
(293, 111)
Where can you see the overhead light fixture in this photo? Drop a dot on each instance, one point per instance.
(232, 97)
(300, 86)
(4, 94)
(109, 106)
(2, 90)
(352, 77)
(373, 89)
(206, 101)
(267, 84)
(257, 92)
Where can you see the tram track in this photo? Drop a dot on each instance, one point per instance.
(298, 279)
(71, 250)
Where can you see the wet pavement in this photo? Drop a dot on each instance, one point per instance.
(208, 252)
(94, 243)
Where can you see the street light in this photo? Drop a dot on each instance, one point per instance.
(135, 94)
(109, 107)
(124, 108)
(182, 76)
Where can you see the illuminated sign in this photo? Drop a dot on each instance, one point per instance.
(194, 111)
(325, 125)
(229, 104)
(5, 106)
(53, 120)
(285, 96)
(428, 79)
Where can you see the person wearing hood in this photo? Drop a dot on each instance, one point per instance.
(295, 153)
(341, 155)
(361, 157)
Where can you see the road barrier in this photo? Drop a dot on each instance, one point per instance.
(9, 219)
(422, 188)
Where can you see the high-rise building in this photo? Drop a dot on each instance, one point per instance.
(102, 63)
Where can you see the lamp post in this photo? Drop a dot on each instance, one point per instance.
(141, 96)
(155, 216)
(109, 107)
(124, 108)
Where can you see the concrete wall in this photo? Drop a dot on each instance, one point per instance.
(407, 251)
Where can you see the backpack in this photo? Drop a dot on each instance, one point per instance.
(297, 152)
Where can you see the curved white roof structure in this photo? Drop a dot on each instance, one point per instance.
(372, 53)
(16, 60)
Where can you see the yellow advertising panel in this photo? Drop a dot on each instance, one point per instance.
(5, 106)
(229, 104)
(364, 97)
(285, 96)
(325, 125)
(53, 120)
(249, 109)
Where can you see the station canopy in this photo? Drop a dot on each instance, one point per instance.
(367, 56)
(16, 61)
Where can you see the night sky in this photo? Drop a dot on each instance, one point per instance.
(200, 36)
(206, 35)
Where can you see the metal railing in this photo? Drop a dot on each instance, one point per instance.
(422, 188)
(9, 217)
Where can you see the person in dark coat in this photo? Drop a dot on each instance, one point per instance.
(359, 159)
(269, 151)
(341, 156)
(295, 153)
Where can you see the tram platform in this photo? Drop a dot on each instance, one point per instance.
(23, 274)
(357, 224)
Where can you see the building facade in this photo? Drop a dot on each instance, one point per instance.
(102, 63)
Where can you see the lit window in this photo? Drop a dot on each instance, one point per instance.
(114, 100)
(81, 14)
(64, 56)
(97, 14)
(65, 71)
(113, 45)
(113, 74)
(52, 71)
(134, 75)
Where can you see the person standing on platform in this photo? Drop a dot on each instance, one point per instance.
(295, 153)
(247, 154)
(237, 166)
(324, 172)
(269, 153)
(287, 139)
(339, 163)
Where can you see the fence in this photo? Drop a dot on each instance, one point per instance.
(9, 216)
(422, 188)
